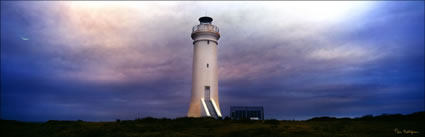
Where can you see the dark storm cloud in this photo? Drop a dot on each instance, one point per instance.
(100, 62)
(378, 68)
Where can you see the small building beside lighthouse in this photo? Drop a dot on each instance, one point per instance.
(204, 99)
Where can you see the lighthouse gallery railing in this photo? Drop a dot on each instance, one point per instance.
(205, 27)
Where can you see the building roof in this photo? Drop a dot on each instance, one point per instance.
(205, 19)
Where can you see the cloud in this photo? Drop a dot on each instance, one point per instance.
(107, 60)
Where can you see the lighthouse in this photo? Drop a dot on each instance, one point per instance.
(204, 100)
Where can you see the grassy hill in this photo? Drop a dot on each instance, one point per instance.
(368, 126)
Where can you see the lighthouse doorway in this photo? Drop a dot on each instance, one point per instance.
(207, 93)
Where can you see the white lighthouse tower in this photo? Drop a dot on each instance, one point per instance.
(204, 100)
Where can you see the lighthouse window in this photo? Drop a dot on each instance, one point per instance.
(208, 65)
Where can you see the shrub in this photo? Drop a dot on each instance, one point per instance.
(272, 121)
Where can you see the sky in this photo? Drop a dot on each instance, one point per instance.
(101, 61)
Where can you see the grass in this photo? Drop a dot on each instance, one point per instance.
(368, 126)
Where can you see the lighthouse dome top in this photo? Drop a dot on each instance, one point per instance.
(205, 20)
